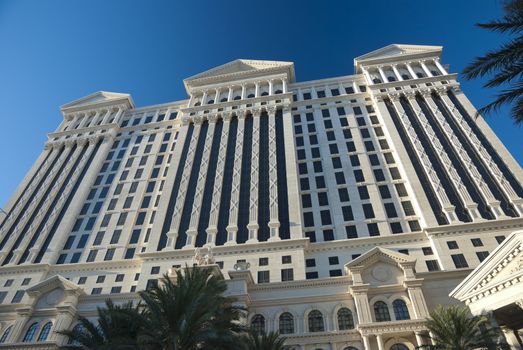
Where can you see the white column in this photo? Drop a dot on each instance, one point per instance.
(106, 116)
(284, 85)
(200, 186)
(232, 228)
(22, 317)
(204, 98)
(212, 228)
(172, 235)
(440, 67)
(398, 75)
(271, 87)
(411, 71)
(420, 339)
(274, 223)
(191, 99)
(85, 121)
(367, 76)
(462, 191)
(482, 186)
(381, 344)
(382, 74)
(95, 118)
(229, 95)
(217, 96)
(243, 91)
(425, 68)
(119, 115)
(257, 89)
(366, 342)
(448, 208)
(255, 165)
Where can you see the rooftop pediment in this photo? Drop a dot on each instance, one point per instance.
(98, 99)
(240, 69)
(394, 51)
(380, 254)
(500, 269)
(55, 282)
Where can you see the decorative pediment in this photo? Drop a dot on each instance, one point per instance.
(98, 99)
(240, 69)
(502, 269)
(395, 51)
(380, 254)
(52, 283)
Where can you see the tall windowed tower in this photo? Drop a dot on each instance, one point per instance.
(339, 211)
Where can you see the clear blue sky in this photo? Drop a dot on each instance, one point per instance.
(53, 52)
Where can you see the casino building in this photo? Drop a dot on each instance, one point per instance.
(340, 211)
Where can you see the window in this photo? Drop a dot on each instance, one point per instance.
(500, 239)
(286, 259)
(476, 242)
(310, 262)
(2, 296)
(286, 323)
(44, 333)
(335, 273)
(381, 311)
(17, 297)
(401, 312)
(263, 261)
(258, 324)
(287, 275)
(26, 281)
(399, 347)
(452, 245)
(155, 270)
(345, 319)
(92, 255)
(482, 255)
(263, 276)
(30, 333)
(5, 335)
(311, 275)
(119, 277)
(368, 211)
(459, 261)
(427, 251)
(116, 290)
(432, 265)
(373, 229)
(391, 210)
(116, 236)
(96, 291)
(316, 321)
(109, 254)
(333, 260)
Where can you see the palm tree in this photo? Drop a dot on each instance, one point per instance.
(505, 63)
(265, 341)
(452, 328)
(190, 314)
(118, 327)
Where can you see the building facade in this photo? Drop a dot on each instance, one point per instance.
(340, 211)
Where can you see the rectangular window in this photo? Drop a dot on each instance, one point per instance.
(351, 231)
(482, 255)
(500, 239)
(432, 265)
(459, 261)
(452, 245)
(325, 217)
(92, 255)
(347, 213)
(129, 253)
(310, 262)
(373, 229)
(116, 236)
(427, 251)
(368, 211)
(328, 235)
(263, 261)
(287, 275)
(311, 275)
(476, 242)
(263, 276)
(391, 210)
(109, 254)
(96, 291)
(286, 259)
(335, 273)
(18, 296)
(334, 260)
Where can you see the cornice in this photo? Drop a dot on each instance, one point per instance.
(82, 131)
(343, 98)
(227, 250)
(96, 266)
(360, 78)
(24, 269)
(474, 227)
(299, 284)
(391, 327)
(301, 300)
(416, 81)
(242, 104)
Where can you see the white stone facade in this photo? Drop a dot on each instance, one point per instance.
(340, 211)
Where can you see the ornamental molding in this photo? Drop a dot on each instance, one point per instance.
(475, 227)
(277, 99)
(391, 327)
(98, 100)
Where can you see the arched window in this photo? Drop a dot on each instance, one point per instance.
(316, 321)
(376, 81)
(399, 347)
(278, 92)
(78, 329)
(210, 102)
(350, 348)
(381, 311)
(44, 333)
(420, 75)
(258, 323)
(401, 312)
(345, 319)
(6, 334)
(198, 104)
(265, 93)
(250, 96)
(391, 78)
(236, 98)
(405, 77)
(434, 73)
(286, 323)
(223, 99)
(30, 334)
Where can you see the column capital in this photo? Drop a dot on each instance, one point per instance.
(241, 114)
(271, 110)
(197, 120)
(227, 116)
(212, 119)
(394, 96)
(256, 112)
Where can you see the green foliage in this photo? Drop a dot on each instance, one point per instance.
(191, 314)
(265, 341)
(505, 64)
(452, 328)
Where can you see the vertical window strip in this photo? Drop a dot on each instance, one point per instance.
(243, 207)
(193, 180)
(283, 199)
(172, 201)
(201, 237)
(263, 180)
